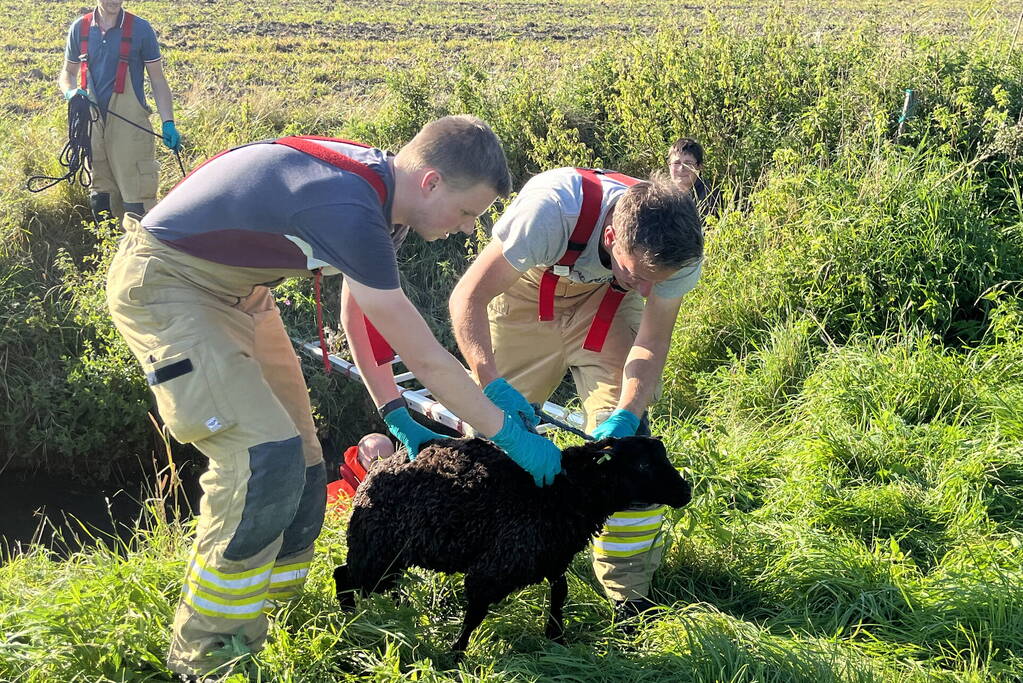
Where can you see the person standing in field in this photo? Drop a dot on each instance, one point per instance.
(107, 52)
(685, 164)
(189, 289)
(561, 286)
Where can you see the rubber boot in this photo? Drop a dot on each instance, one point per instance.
(100, 203)
(136, 209)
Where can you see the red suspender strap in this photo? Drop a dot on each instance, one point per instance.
(548, 282)
(83, 51)
(382, 351)
(317, 274)
(122, 58)
(593, 196)
(605, 314)
(345, 163)
(589, 215)
(593, 199)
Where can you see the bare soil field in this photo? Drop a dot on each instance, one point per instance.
(349, 48)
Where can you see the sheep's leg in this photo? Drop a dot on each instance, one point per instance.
(555, 621)
(364, 581)
(480, 594)
(343, 587)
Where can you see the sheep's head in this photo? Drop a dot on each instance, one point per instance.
(637, 467)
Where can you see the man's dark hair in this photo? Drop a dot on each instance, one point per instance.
(687, 146)
(661, 223)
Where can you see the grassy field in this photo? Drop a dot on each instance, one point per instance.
(845, 388)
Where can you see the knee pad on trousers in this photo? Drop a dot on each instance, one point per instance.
(275, 486)
(100, 203)
(309, 518)
(136, 208)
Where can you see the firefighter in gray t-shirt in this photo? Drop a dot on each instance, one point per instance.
(561, 287)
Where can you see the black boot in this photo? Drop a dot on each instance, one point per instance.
(100, 203)
(627, 611)
(135, 208)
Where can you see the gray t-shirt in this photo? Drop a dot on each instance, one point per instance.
(104, 51)
(535, 228)
(266, 205)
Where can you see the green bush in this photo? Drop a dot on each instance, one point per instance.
(829, 231)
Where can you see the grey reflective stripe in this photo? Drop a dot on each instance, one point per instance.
(169, 372)
(276, 481)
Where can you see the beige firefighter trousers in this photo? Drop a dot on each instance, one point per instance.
(534, 356)
(226, 378)
(123, 157)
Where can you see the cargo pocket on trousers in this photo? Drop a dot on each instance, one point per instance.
(149, 179)
(188, 391)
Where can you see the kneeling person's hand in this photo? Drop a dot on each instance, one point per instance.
(411, 434)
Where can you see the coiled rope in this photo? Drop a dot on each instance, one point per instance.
(77, 154)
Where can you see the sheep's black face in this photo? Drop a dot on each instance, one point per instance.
(641, 465)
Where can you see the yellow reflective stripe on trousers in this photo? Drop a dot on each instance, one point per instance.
(619, 529)
(282, 594)
(633, 514)
(624, 549)
(249, 581)
(289, 575)
(612, 549)
(212, 606)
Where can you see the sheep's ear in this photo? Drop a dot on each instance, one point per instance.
(605, 456)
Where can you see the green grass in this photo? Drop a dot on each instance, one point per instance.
(844, 388)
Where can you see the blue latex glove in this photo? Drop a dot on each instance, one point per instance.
(171, 137)
(532, 452)
(71, 92)
(511, 401)
(411, 434)
(620, 423)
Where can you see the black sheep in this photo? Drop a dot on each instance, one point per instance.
(463, 506)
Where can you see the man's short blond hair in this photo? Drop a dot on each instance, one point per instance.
(463, 149)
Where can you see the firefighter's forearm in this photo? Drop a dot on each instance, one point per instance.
(163, 99)
(472, 333)
(642, 371)
(67, 79)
